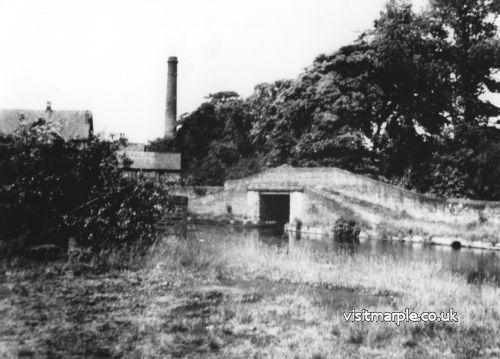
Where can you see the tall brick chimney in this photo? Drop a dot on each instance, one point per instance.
(48, 110)
(171, 112)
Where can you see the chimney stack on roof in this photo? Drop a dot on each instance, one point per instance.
(48, 110)
(171, 111)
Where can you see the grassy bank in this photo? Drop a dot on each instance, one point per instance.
(210, 297)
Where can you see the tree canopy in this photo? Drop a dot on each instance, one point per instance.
(403, 103)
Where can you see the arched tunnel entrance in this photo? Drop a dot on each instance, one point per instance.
(275, 207)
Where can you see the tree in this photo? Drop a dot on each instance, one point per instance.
(473, 56)
(212, 139)
(322, 117)
(412, 76)
(387, 105)
(383, 96)
(468, 160)
(280, 118)
(467, 165)
(343, 102)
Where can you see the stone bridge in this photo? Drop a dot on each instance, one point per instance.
(317, 197)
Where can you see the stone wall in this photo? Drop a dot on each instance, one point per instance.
(214, 201)
(318, 196)
(320, 210)
(362, 188)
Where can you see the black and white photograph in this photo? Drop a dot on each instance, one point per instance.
(303, 179)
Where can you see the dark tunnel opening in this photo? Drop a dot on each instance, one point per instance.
(275, 207)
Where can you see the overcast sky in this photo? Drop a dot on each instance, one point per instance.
(110, 56)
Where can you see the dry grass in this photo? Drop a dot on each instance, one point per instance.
(421, 284)
(197, 299)
(473, 231)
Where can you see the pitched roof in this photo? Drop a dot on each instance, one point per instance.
(134, 146)
(154, 160)
(75, 124)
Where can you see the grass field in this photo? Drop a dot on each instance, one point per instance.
(234, 299)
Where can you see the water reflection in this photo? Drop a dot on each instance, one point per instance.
(475, 265)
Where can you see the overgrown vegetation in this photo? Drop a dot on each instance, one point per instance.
(52, 189)
(227, 297)
(404, 103)
(346, 230)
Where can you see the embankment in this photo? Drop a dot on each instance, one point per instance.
(325, 194)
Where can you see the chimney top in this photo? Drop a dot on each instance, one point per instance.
(49, 106)
(172, 59)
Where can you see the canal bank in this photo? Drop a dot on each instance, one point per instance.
(316, 198)
(310, 232)
(380, 233)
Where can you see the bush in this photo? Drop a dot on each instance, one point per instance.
(346, 230)
(199, 191)
(51, 188)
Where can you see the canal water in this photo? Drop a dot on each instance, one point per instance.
(477, 266)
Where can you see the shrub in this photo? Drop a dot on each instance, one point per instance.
(51, 188)
(124, 214)
(199, 191)
(346, 230)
